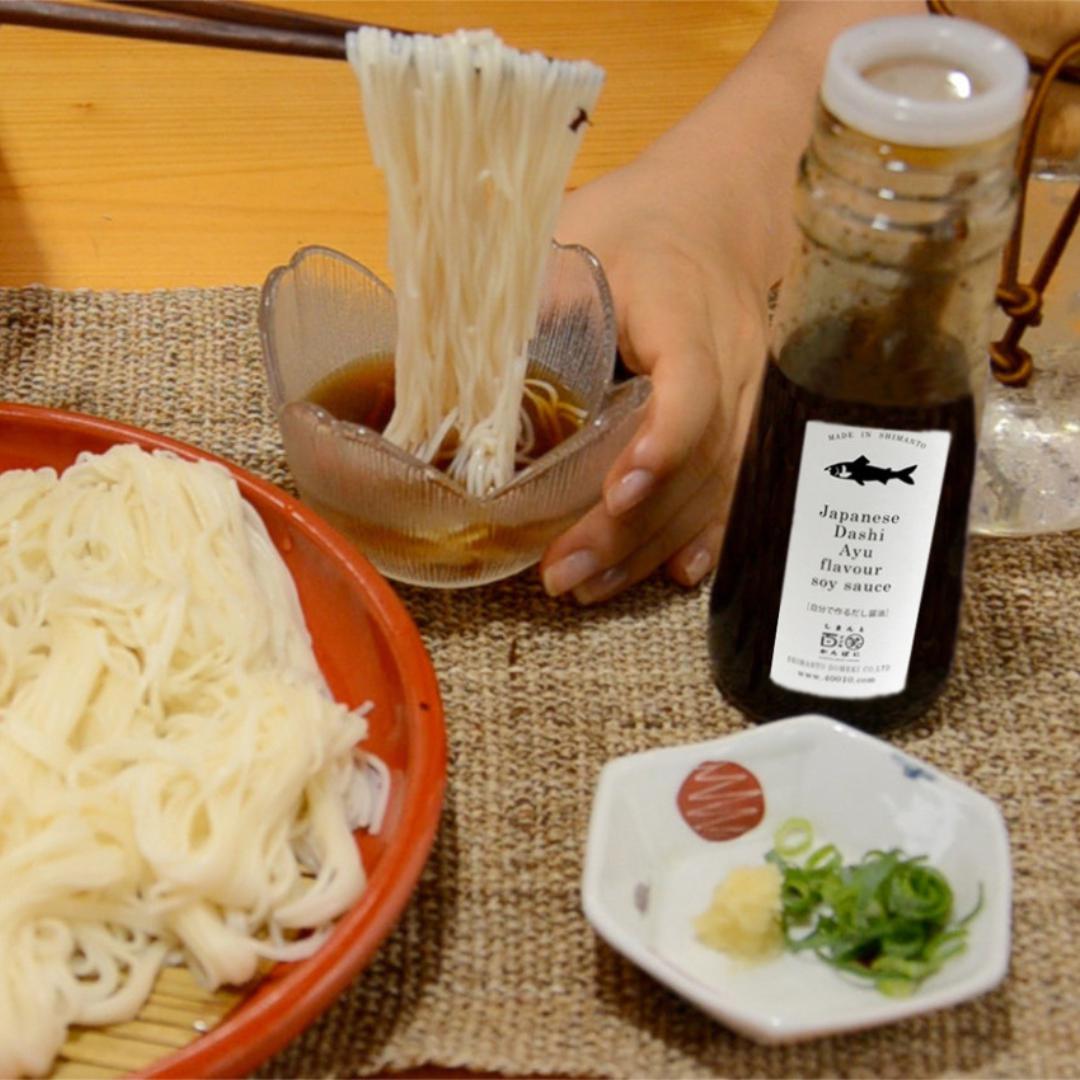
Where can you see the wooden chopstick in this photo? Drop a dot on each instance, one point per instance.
(239, 11)
(261, 29)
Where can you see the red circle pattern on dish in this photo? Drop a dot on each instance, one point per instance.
(721, 800)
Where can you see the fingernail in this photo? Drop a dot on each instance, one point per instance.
(601, 586)
(696, 566)
(629, 491)
(567, 573)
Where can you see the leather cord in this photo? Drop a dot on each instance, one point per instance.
(1037, 63)
(1011, 364)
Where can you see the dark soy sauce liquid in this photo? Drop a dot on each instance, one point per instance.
(359, 393)
(746, 593)
(363, 393)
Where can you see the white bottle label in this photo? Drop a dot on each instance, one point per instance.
(865, 507)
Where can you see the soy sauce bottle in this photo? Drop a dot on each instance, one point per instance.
(839, 584)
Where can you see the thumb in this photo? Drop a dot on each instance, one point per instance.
(685, 386)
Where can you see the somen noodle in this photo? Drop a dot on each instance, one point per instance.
(174, 776)
(476, 141)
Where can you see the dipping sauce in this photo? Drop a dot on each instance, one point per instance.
(442, 535)
(362, 392)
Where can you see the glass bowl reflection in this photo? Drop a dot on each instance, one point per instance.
(325, 311)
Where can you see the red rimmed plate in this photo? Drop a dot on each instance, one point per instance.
(369, 650)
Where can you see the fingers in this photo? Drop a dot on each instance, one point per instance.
(689, 565)
(679, 518)
(683, 401)
(695, 560)
(603, 553)
(630, 554)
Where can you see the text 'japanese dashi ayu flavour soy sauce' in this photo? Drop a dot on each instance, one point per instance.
(839, 585)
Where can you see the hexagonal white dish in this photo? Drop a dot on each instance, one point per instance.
(648, 873)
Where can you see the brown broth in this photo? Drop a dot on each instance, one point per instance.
(474, 549)
(362, 392)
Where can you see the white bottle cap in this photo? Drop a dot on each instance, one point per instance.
(925, 80)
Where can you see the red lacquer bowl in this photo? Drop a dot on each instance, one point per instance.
(369, 650)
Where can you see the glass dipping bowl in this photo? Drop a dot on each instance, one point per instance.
(325, 311)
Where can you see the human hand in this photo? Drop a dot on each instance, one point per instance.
(691, 235)
(690, 290)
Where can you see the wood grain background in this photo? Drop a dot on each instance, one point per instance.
(138, 165)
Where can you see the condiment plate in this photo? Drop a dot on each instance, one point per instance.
(669, 824)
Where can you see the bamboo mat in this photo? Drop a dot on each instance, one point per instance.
(493, 966)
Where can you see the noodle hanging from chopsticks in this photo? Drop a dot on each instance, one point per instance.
(476, 141)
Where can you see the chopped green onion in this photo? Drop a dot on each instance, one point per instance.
(825, 858)
(793, 837)
(886, 919)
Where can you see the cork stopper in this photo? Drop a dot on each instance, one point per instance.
(920, 80)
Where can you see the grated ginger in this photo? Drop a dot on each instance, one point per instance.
(744, 916)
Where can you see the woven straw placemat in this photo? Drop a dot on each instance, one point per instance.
(493, 965)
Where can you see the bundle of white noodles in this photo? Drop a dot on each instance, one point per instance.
(173, 774)
(476, 141)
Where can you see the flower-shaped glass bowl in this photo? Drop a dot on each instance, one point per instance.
(324, 312)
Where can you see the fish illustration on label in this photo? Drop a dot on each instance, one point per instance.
(861, 471)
